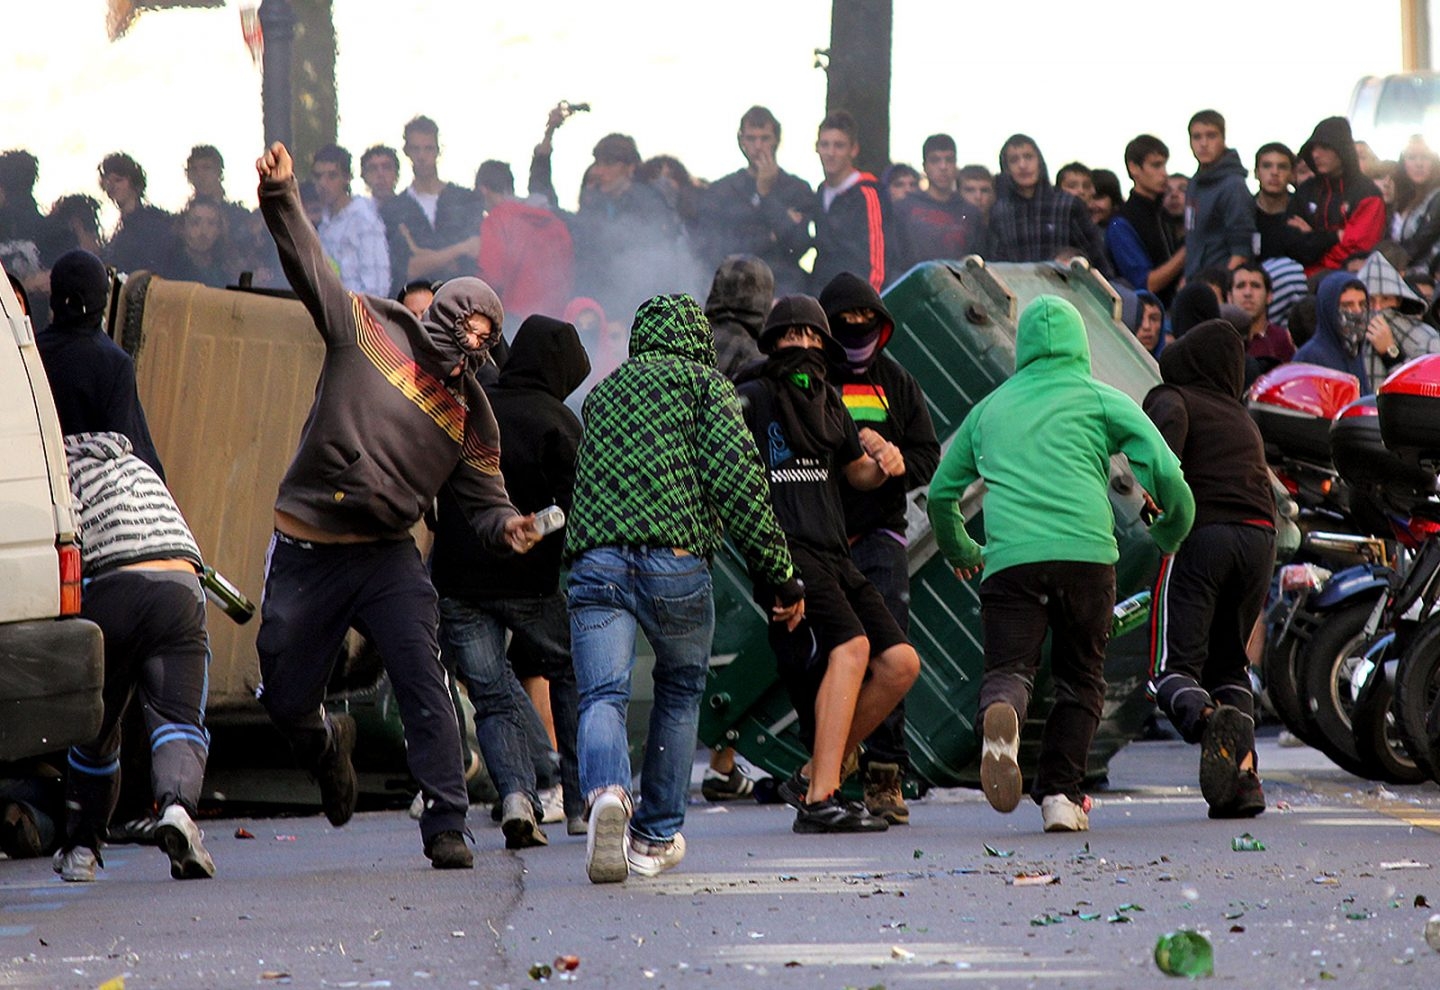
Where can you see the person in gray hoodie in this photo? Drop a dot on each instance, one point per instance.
(1219, 212)
(398, 412)
(740, 297)
(1395, 333)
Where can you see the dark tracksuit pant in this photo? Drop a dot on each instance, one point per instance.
(1207, 598)
(314, 592)
(884, 562)
(156, 649)
(1074, 602)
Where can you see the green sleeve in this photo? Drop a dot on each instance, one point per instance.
(1156, 468)
(956, 473)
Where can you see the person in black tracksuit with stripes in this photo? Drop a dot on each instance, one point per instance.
(1210, 592)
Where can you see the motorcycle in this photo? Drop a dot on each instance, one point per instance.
(1409, 412)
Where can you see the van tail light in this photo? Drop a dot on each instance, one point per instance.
(69, 579)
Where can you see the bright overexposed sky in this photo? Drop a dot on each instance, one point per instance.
(1081, 78)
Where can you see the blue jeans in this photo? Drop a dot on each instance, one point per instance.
(472, 636)
(614, 590)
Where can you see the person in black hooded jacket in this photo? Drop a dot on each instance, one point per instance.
(847, 663)
(883, 396)
(91, 377)
(484, 594)
(1031, 219)
(1338, 200)
(1210, 592)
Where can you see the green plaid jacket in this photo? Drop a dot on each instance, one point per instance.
(666, 459)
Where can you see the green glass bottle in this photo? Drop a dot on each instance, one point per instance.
(1185, 953)
(230, 598)
(1130, 614)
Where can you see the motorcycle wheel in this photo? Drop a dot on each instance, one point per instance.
(1417, 686)
(1281, 687)
(1377, 737)
(1323, 668)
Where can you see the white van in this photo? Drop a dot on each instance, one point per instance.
(51, 661)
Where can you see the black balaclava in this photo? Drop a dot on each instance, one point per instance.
(860, 342)
(79, 289)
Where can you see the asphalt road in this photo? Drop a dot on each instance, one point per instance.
(755, 905)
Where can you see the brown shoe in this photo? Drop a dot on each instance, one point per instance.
(883, 797)
(448, 851)
(1000, 757)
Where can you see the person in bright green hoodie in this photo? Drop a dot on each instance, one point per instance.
(1042, 444)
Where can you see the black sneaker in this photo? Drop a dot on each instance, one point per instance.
(836, 815)
(136, 832)
(1229, 737)
(732, 786)
(339, 790)
(792, 789)
(1249, 799)
(448, 851)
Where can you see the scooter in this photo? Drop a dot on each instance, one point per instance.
(1409, 412)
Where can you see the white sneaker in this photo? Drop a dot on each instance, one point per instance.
(1063, 815)
(77, 865)
(552, 800)
(650, 859)
(180, 837)
(605, 843)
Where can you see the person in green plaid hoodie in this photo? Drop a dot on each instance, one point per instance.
(665, 467)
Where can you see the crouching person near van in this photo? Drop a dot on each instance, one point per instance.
(1042, 443)
(398, 412)
(142, 588)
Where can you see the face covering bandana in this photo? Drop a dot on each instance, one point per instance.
(804, 366)
(1352, 331)
(860, 341)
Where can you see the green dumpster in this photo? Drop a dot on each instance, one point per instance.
(955, 332)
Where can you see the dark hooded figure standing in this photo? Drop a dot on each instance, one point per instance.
(1338, 200)
(91, 376)
(1210, 592)
(740, 296)
(1341, 313)
(397, 413)
(1031, 219)
(881, 395)
(485, 594)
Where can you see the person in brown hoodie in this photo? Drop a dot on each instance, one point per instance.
(397, 413)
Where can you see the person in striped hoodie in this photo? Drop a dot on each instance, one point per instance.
(141, 569)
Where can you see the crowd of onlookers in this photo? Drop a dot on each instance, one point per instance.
(647, 225)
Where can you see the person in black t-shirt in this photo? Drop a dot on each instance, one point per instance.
(847, 664)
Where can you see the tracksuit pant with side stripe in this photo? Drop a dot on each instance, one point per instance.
(156, 649)
(1207, 598)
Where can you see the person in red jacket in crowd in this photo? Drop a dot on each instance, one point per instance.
(1338, 199)
(525, 251)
